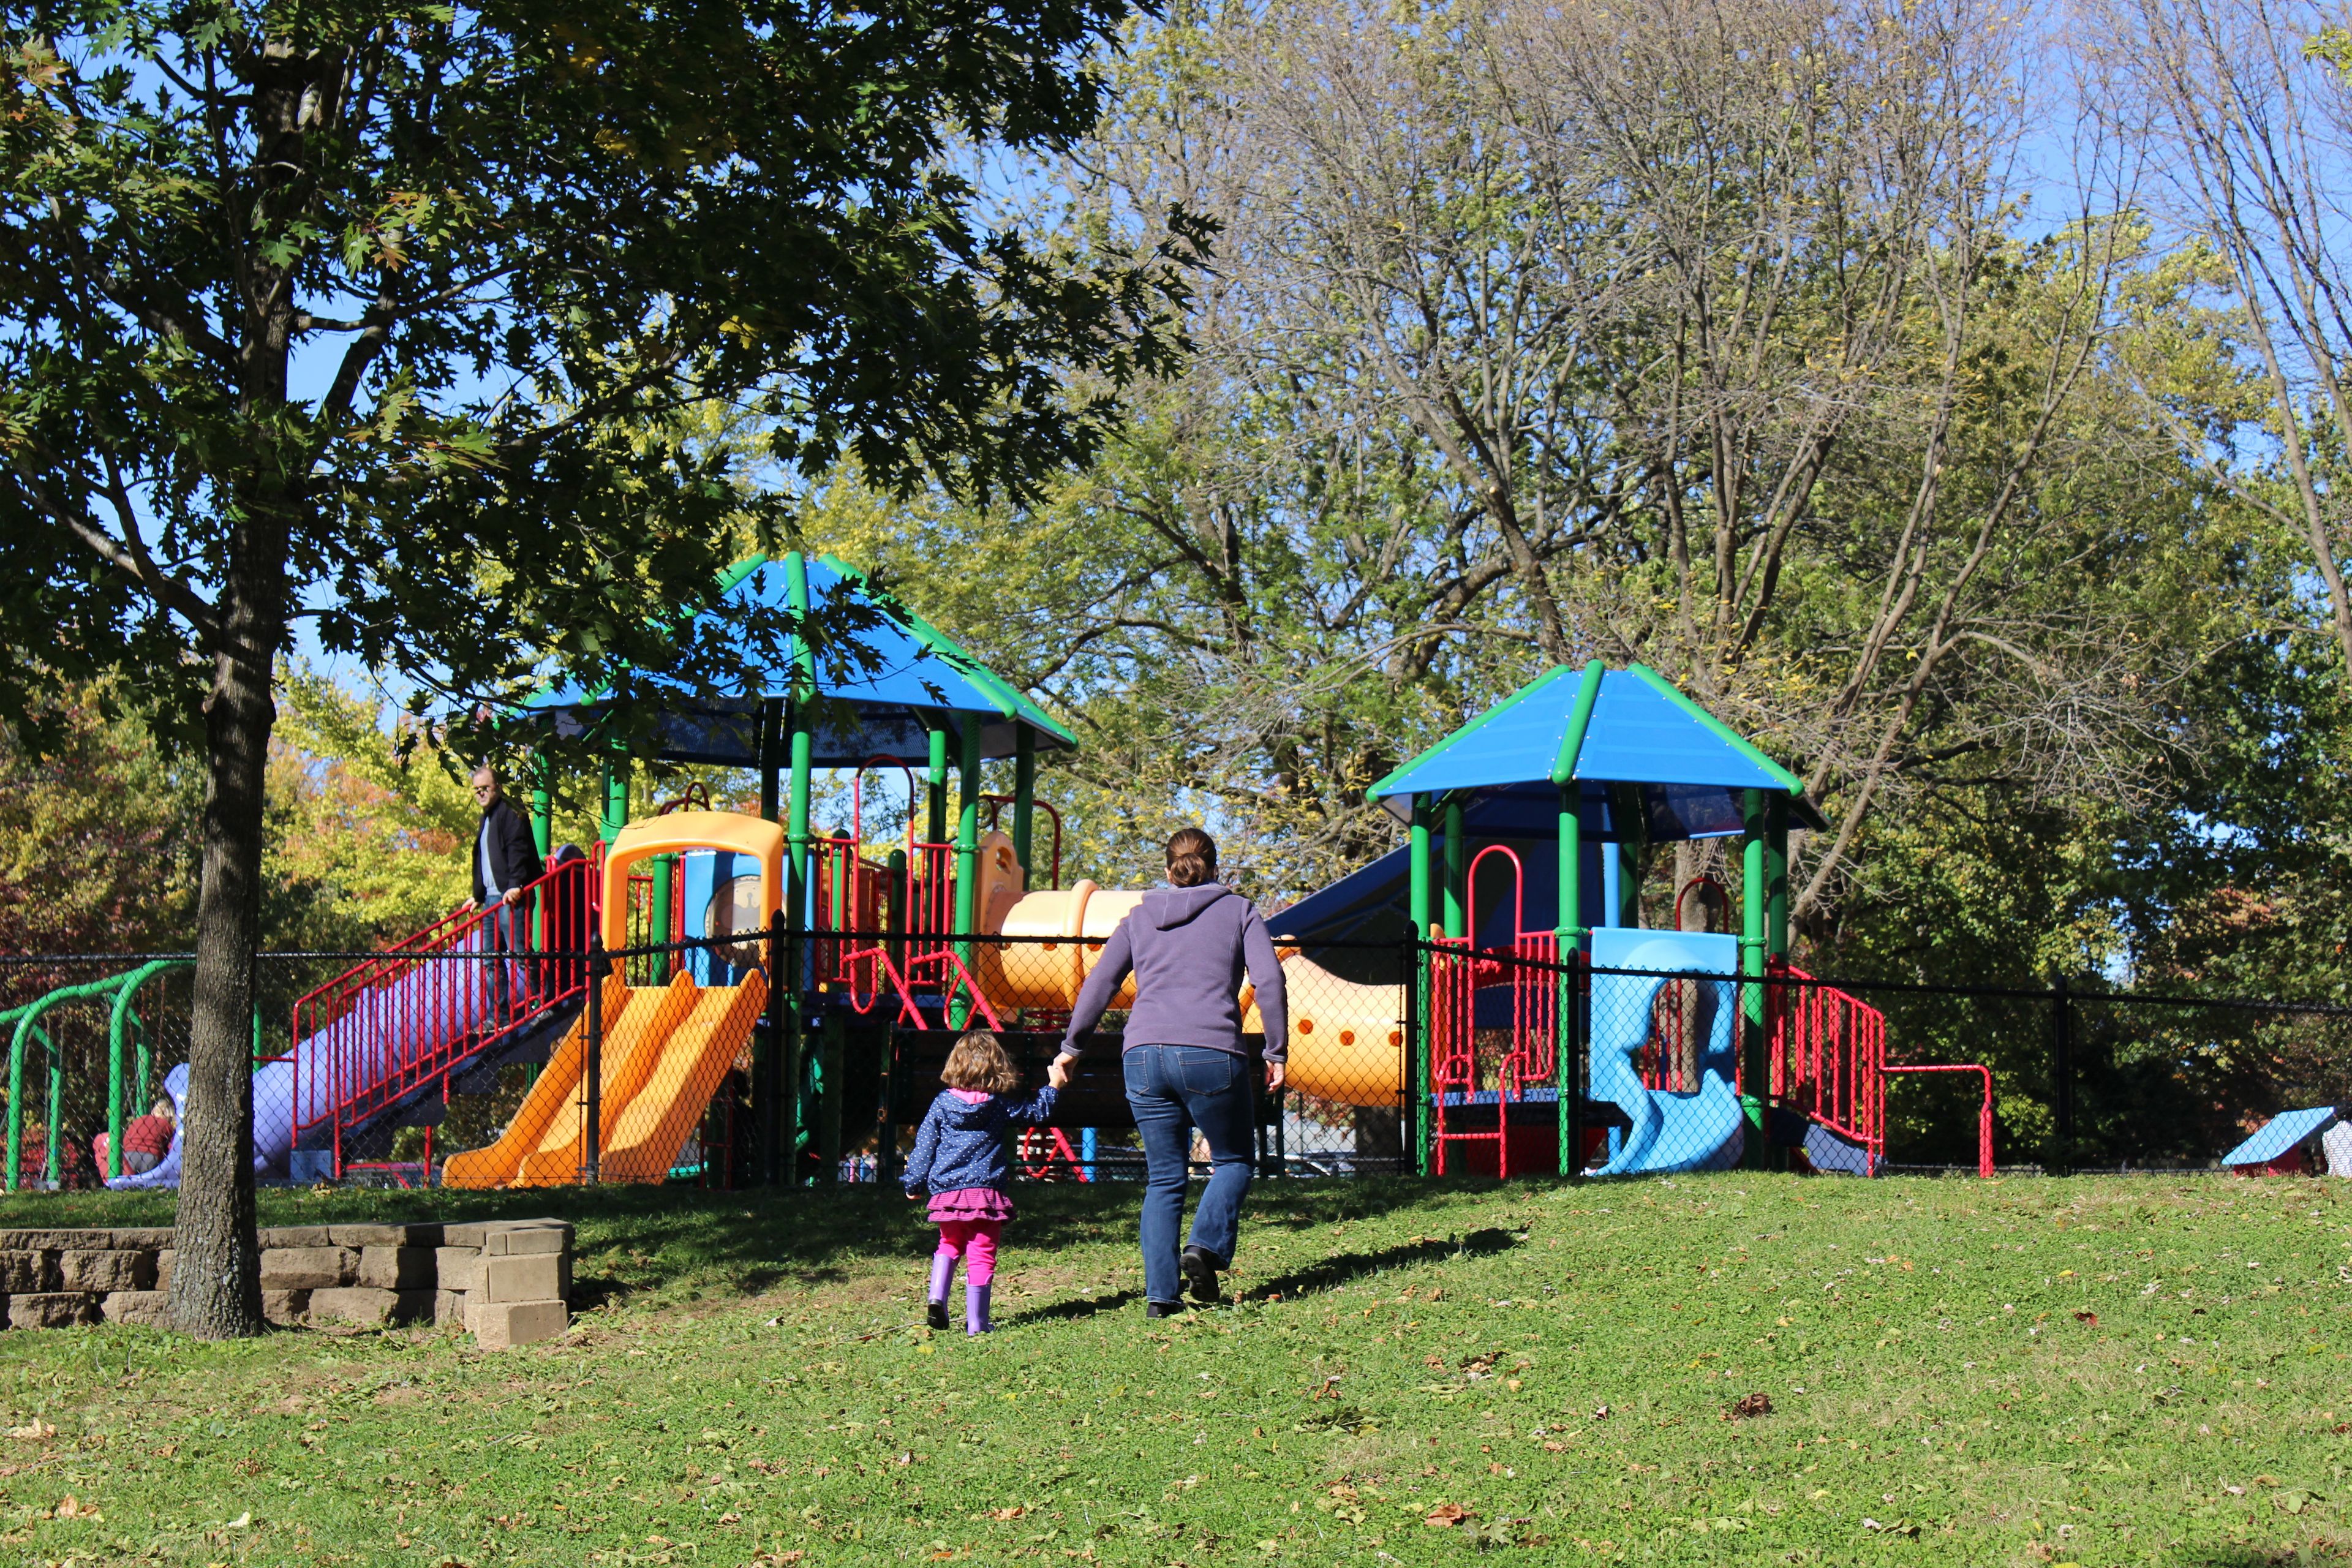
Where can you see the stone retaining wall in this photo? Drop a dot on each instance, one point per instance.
(507, 1282)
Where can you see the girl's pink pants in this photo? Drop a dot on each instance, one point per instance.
(974, 1241)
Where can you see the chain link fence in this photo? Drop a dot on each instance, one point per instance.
(474, 1062)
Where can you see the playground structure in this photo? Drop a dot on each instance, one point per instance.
(1698, 1049)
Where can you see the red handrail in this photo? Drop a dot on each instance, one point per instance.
(1984, 1114)
(393, 1023)
(1829, 1056)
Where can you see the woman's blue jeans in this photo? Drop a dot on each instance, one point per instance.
(1174, 1089)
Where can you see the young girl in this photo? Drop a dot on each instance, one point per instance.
(960, 1158)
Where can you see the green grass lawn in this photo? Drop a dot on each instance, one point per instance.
(2097, 1371)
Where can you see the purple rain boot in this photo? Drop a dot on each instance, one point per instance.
(942, 1275)
(975, 1306)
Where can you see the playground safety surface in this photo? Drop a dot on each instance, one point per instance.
(2091, 1370)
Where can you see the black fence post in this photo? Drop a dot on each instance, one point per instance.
(2061, 1070)
(767, 1065)
(592, 1076)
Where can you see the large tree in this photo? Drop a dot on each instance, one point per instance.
(390, 317)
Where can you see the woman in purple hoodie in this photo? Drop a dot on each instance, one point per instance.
(1187, 945)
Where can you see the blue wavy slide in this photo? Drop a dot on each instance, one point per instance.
(1701, 1131)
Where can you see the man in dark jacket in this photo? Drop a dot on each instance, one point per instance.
(506, 861)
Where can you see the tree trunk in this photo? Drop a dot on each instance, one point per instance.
(216, 1278)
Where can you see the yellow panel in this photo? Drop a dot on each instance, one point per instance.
(642, 1144)
(683, 830)
(627, 1056)
(548, 1100)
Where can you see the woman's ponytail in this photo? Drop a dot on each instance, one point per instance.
(1191, 857)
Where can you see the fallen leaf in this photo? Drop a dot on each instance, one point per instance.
(34, 1430)
(1748, 1406)
(2090, 1318)
(242, 1521)
(1445, 1515)
(1600, 1413)
(1015, 1512)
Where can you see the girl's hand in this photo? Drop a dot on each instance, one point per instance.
(1057, 1071)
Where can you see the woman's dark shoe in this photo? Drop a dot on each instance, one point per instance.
(938, 1316)
(1162, 1308)
(1201, 1268)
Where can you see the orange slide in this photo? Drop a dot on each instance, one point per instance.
(665, 1050)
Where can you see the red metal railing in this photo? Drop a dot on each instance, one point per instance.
(1984, 1113)
(393, 1025)
(1509, 1066)
(1829, 1058)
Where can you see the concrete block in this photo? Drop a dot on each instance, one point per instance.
(454, 1267)
(385, 1235)
(467, 1235)
(289, 1235)
(286, 1307)
(449, 1306)
(397, 1268)
(308, 1267)
(164, 1261)
(51, 1310)
(132, 1239)
(501, 1325)
(369, 1309)
(149, 1309)
(524, 1240)
(55, 1240)
(23, 1270)
(106, 1271)
(536, 1277)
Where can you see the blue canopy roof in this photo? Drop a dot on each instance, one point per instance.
(2281, 1135)
(906, 678)
(1645, 750)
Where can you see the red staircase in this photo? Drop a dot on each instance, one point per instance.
(386, 1036)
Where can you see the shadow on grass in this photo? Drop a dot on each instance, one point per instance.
(1347, 1266)
(634, 1241)
(1083, 1307)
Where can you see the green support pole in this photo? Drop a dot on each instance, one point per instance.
(1457, 872)
(1419, 908)
(662, 919)
(797, 850)
(967, 859)
(935, 821)
(617, 800)
(1570, 932)
(542, 805)
(1776, 916)
(1755, 1056)
(1025, 801)
(542, 835)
